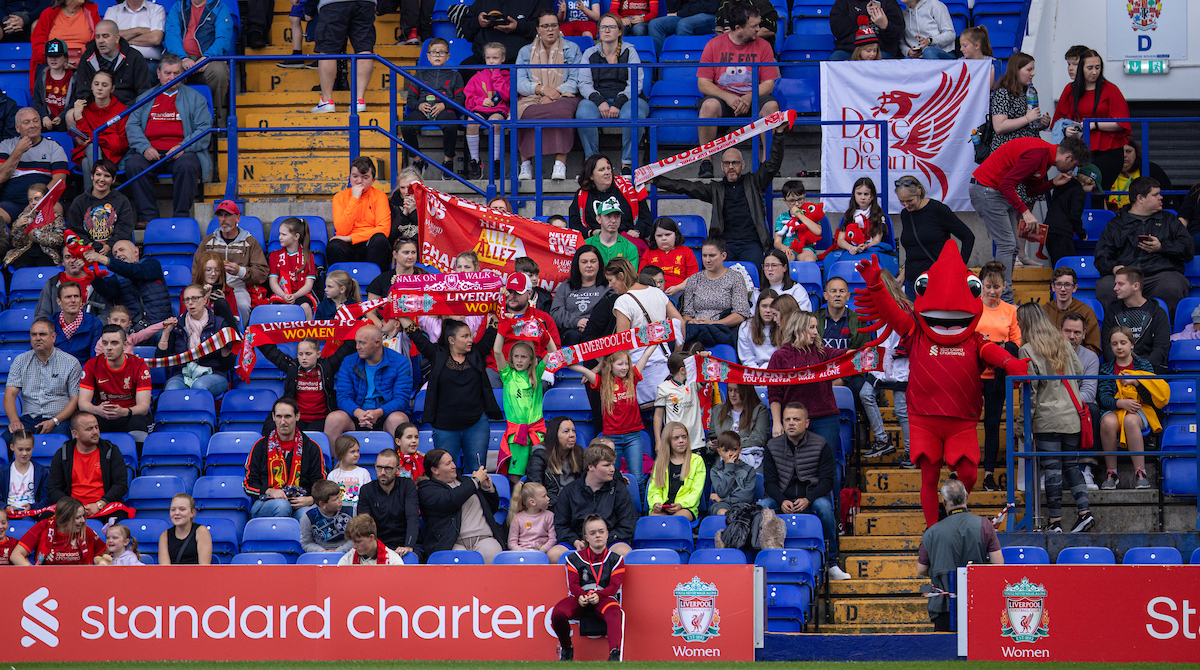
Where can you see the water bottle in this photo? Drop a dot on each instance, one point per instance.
(432, 100)
(975, 138)
(1031, 99)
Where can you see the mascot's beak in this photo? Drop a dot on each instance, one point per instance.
(948, 322)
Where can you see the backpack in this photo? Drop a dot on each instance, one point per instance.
(985, 132)
(847, 510)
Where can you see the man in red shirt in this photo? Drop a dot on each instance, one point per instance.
(87, 468)
(728, 88)
(522, 321)
(1026, 160)
(116, 387)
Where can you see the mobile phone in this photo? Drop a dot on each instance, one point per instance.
(1143, 238)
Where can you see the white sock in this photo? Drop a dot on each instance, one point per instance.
(473, 146)
(495, 148)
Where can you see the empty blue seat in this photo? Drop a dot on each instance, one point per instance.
(674, 93)
(644, 44)
(278, 313)
(714, 556)
(149, 493)
(277, 534)
(1152, 556)
(809, 47)
(663, 532)
(183, 404)
(322, 441)
(171, 448)
(18, 527)
(1017, 555)
(44, 446)
(224, 533)
(811, 25)
(677, 134)
(1184, 356)
(1179, 475)
(14, 327)
(235, 517)
(569, 401)
(229, 448)
(800, 94)
(259, 558)
(455, 557)
(1085, 270)
(1195, 559)
(1183, 397)
(172, 241)
(682, 49)
(652, 557)
(706, 533)
(787, 601)
(129, 451)
(635, 491)
(319, 558)
(370, 443)
(245, 409)
(363, 273)
(225, 492)
(747, 270)
(521, 558)
(1086, 556)
(787, 566)
(804, 531)
(146, 532)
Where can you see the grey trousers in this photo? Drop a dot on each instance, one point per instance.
(1000, 219)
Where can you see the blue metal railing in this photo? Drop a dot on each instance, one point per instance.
(1028, 453)
(1144, 124)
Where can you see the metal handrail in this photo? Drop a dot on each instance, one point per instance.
(1144, 124)
(1031, 488)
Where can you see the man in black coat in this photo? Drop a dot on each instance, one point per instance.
(515, 30)
(459, 512)
(885, 15)
(391, 500)
(600, 492)
(111, 53)
(283, 466)
(105, 478)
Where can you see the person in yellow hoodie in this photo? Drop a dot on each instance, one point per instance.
(1132, 407)
(362, 220)
(678, 477)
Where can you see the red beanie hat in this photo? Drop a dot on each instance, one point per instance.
(866, 33)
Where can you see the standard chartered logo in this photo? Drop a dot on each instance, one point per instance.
(37, 621)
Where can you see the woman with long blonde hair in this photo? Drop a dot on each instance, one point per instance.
(783, 307)
(678, 477)
(803, 347)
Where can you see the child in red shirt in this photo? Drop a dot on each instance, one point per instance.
(292, 271)
(677, 261)
(621, 417)
(7, 544)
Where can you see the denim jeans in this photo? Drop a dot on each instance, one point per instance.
(934, 53)
(215, 383)
(639, 29)
(696, 24)
(591, 136)
(274, 507)
(871, 406)
(629, 445)
(468, 446)
(828, 427)
(823, 508)
(1000, 220)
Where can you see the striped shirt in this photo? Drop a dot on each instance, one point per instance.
(42, 161)
(45, 388)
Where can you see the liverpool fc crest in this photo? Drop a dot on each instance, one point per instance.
(696, 618)
(1025, 618)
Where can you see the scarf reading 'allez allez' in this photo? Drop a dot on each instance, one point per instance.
(858, 361)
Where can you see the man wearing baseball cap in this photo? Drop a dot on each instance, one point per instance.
(1064, 213)
(522, 321)
(609, 240)
(245, 263)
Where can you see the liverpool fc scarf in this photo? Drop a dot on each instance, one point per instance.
(213, 344)
(858, 361)
(648, 172)
(109, 510)
(279, 474)
(381, 556)
(633, 194)
(644, 336)
(332, 332)
(454, 294)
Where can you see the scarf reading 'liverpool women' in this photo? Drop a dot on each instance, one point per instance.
(279, 474)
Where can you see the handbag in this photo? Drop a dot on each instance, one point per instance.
(1086, 439)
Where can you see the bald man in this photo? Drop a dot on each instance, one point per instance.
(110, 52)
(136, 276)
(374, 388)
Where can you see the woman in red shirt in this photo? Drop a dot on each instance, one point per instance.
(63, 540)
(675, 260)
(1090, 96)
(90, 114)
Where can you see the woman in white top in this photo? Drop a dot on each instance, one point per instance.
(637, 306)
(754, 346)
(776, 274)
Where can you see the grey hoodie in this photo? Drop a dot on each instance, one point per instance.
(734, 483)
(571, 306)
(929, 19)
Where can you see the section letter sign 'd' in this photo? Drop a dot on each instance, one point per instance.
(1049, 613)
(417, 612)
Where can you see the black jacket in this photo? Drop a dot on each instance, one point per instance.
(843, 21)
(8, 115)
(1155, 343)
(1118, 244)
(602, 321)
(177, 343)
(523, 11)
(312, 467)
(1064, 212)
(291, 370)
(28, 10)
(441, 509)
(826, 472)
(129, 69)
(445, 82)
(476, 358)
(152, 300)
(41, 485)
(536, 471)
(112, 471)
(397, 516)
(612, 503)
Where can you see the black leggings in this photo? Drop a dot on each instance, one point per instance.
(993, 408)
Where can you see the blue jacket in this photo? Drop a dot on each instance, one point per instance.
(146, 278)
(214, 34)
(41, 485)
(393, 384)
(82, 345)
(193, 111)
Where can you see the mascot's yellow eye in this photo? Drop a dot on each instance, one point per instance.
(975, 285)
(922, 284)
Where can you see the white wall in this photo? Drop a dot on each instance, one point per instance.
(1056, 25)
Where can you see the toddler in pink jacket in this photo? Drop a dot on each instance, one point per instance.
(531, 523)
(487, 95)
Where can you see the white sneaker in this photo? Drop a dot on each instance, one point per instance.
(1042, 482)
(324, 107)
(526, 170)
(1089, 479)
(836, 574)
(362, 106)
(560, 171)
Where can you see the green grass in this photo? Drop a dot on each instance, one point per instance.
(527, 665)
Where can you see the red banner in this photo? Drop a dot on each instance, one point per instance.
(328, 613)
(451, 225)
(854, 362)
(1081, 613)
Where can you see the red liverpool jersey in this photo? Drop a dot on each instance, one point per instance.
(944, 381)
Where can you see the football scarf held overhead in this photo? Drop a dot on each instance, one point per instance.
(454, 294)
(657, 332)
(332, 332)
(856, 362)
(647, 172)
(223, 337)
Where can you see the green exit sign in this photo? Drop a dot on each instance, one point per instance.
(1147, 66)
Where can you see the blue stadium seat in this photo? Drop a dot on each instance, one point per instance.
(568, 401)
(723, 352)
(673, 135)
(1085, 269)
(1152, 556)
(787, 603)
(318, 235)
(584, 43)
(224, 534)
(153, 493)
(807, 47)
(675, 93)
(787, 566)
(6, 360)
(807, 273)
(635, 491)
(1004, 43)
(370, 443)
(278, 313)
(455, 557)
(504, 492)
(277, 534)
(750, 271)
(693, 227)
(1191, 270)
(682, 49)
(1183, 311)
(1184, 356)
(186, 401)
(1018, 555)
(521, 558)
(652, 557)
(1094, 221)
(238, 519)
(214, 492)
(441, 8)
(459, 49)
(714, 556)
(811, 25)
(176, 276)
(229, 448)
(1096, 306)
(644, 44)
(146, 532)
(363, 273)
(171, 448)
(802, 94)
(1086, 556)
(14, 327)
(707, 531)
(45, 445)
(1195, 559)
(259, 558)
(322, 441)
(206, 93)
(804, 532)
(129, 451)
(319, 558)
(18, 527)
(250, 224)
(172, 240)
(245, 409)
(663, 532)
(1183, 397)
(1179, 475)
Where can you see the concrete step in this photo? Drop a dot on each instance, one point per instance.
(387, 33)
(881, 567)
(303, 166)
(299, 142)
(267, 76)
(288, 118)
(912, 499)
(857, 544)
(877, 587)
(903, 523)
(400, 54)
(301, 101)
(896, 480)
(869, 611)
(873, 629)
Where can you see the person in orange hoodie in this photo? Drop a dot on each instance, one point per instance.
(362, 219)
(999, 325)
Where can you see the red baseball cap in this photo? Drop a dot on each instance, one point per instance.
(518, 282)
(228, 206)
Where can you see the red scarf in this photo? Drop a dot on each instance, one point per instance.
(853, 362)
(631, 193)
(653, 333)
(527, 434)
(332, 332)
(381, 556)
(278, 474)
(413, 464)
(70, 328)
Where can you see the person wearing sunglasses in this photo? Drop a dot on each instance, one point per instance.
(925, 227)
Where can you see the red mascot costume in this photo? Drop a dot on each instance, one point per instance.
(946, 358)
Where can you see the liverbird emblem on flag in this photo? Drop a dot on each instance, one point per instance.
(930, 125)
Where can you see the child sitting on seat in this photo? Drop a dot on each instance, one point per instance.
(367, 548)
(594, 577)
(531, 523)
(122, 547)
(323, 526)
(292, 270)
(733, 480)
(487, 94)
(408, 443)
(348, 475)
